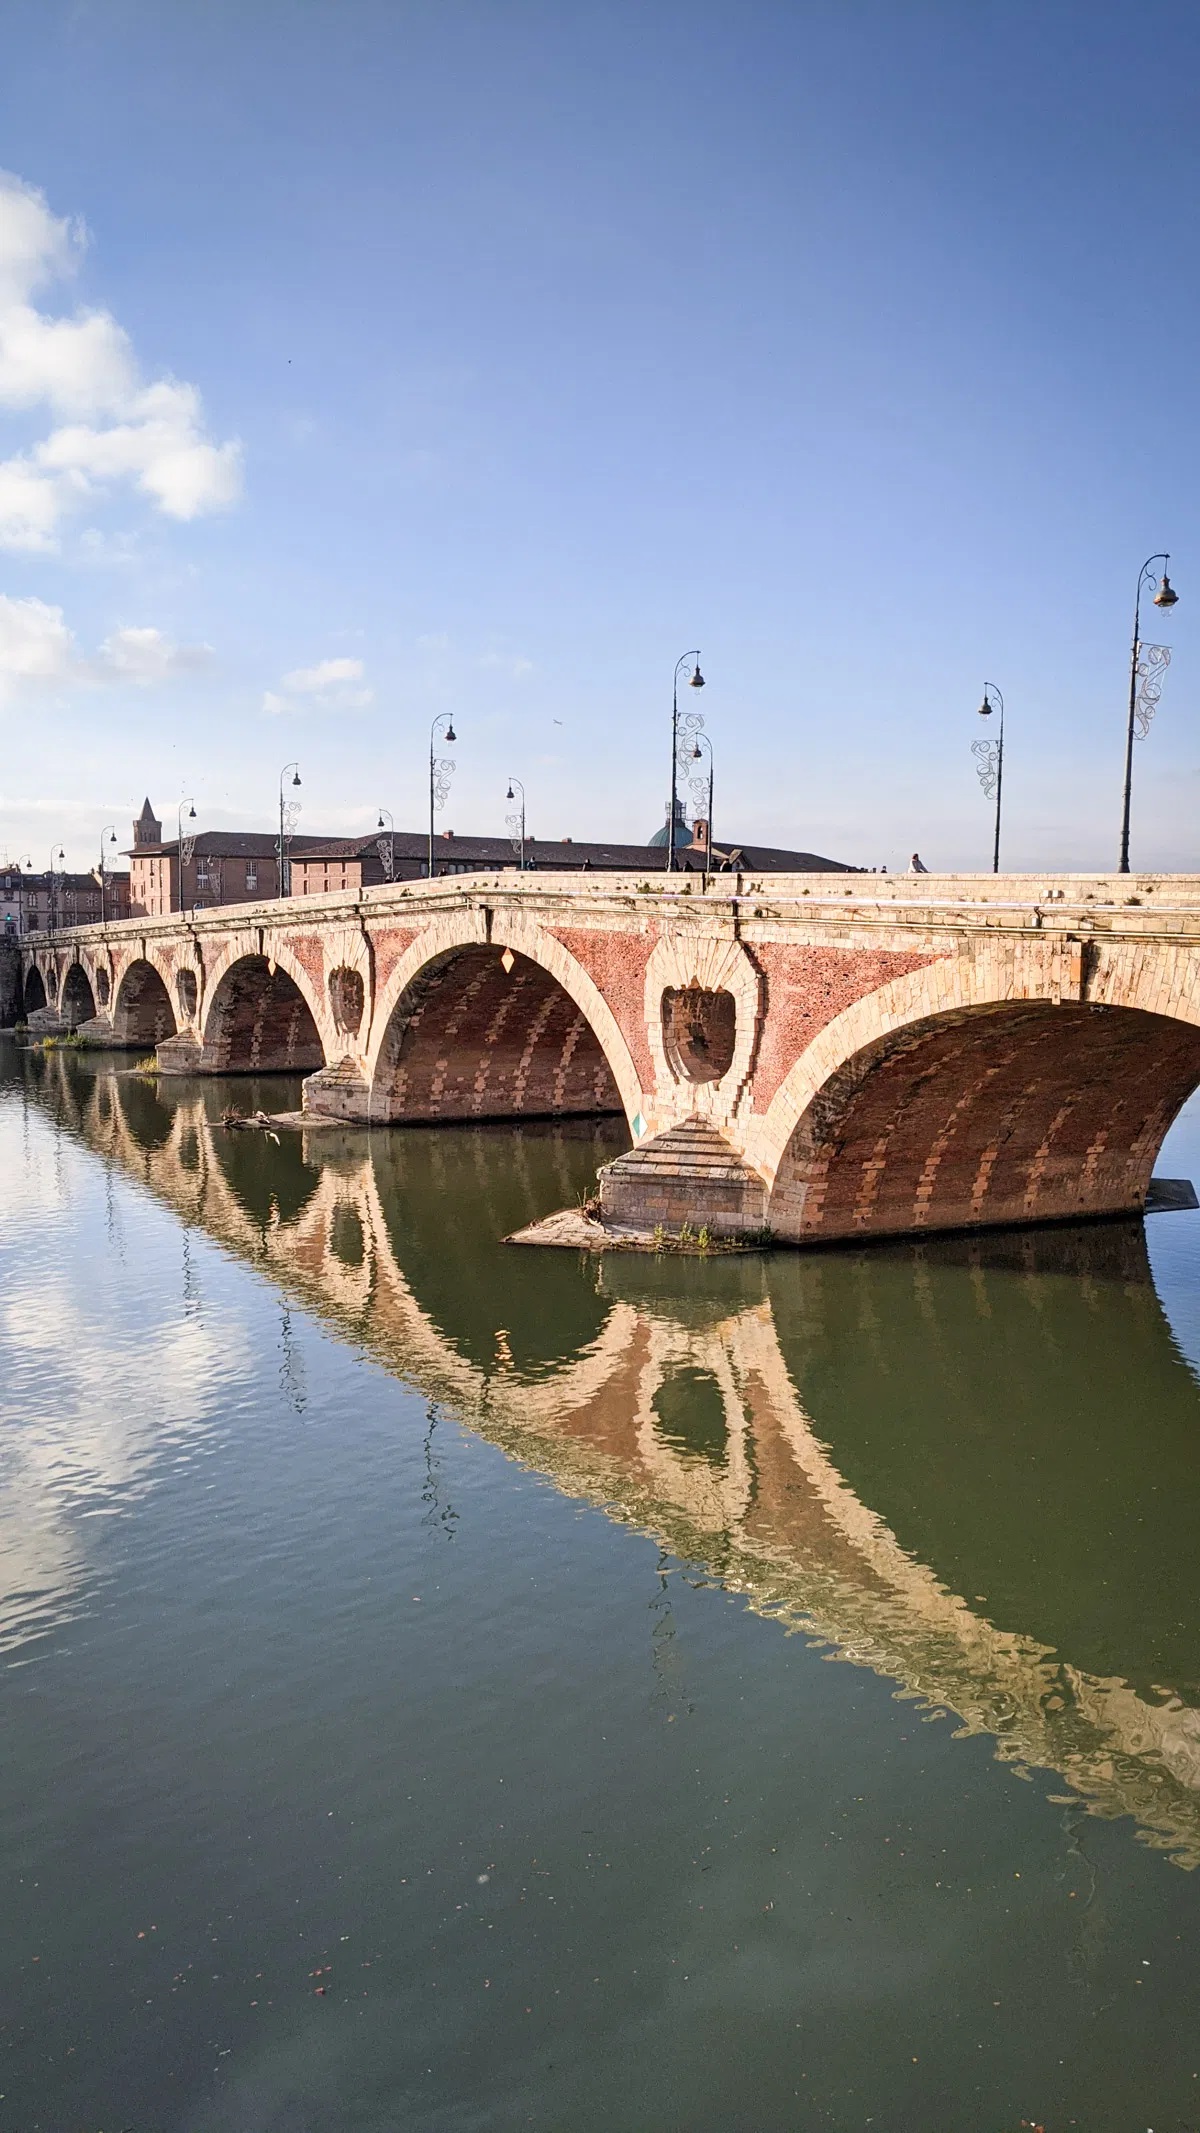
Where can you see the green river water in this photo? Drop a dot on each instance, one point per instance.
(462, 1688)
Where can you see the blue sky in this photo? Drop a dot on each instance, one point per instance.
(360, 362)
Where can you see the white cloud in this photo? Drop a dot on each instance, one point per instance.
(83, 370)
(35, 643)
(309, 681)
(35, 246)
(38, 651)
(330, 685)
(30, 507)
(76, 365)
(146, 655)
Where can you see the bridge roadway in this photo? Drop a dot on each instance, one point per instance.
(824, 1057)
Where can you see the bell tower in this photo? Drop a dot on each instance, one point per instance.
(147, 829)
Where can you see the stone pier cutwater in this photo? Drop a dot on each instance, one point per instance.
(817, 1061)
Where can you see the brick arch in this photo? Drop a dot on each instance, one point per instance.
(260, 1015)
(142, 1009)
(457, 1035)
(258, 943)
(78, 999)
(34, 991)
(930, 1105)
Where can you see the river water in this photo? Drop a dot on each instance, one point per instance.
(453, 1687)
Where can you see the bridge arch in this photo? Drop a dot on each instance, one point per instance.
(933, 1104)
(261, 1015)
(495, 1020)
(142, 1013)
(78, 999)
(34, 990)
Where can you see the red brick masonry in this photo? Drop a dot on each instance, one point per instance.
(805, 988)
(616, 964)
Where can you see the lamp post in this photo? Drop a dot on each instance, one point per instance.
(1147, 666)
(695, 681)
(285, 825)
(387, 860)
(26, 862)
(109, 831)
(50, 897)
(515, 824)
(698, 757)
(11, 867)
(989, 756)
(441, 770)
(185, 846)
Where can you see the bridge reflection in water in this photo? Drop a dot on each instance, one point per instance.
(969, 1465)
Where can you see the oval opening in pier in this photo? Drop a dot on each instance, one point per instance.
(699, 1032)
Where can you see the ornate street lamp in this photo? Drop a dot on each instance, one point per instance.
(16, 865)
(287, 822)
(989, 756)
(698, 785)
(695, 681)
(441, 770)
(1147, 667)
(387, 852)
(185, 845)
(109, 831)
(50, 897)
(515, 824)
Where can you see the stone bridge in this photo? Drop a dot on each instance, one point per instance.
(825, 1062)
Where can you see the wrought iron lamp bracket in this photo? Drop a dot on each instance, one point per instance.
(1151, 667)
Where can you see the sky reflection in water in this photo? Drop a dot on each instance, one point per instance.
(292, 1654)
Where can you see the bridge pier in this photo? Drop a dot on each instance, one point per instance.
(98, 1032)
(338, 1091)
(45, 1022)
(690, 1176)
(183, 1054)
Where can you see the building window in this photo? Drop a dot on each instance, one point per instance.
(251, 875)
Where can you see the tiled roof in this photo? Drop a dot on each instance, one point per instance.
(69, 881)
(543, 853)
(211, 844)
(335, 847)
